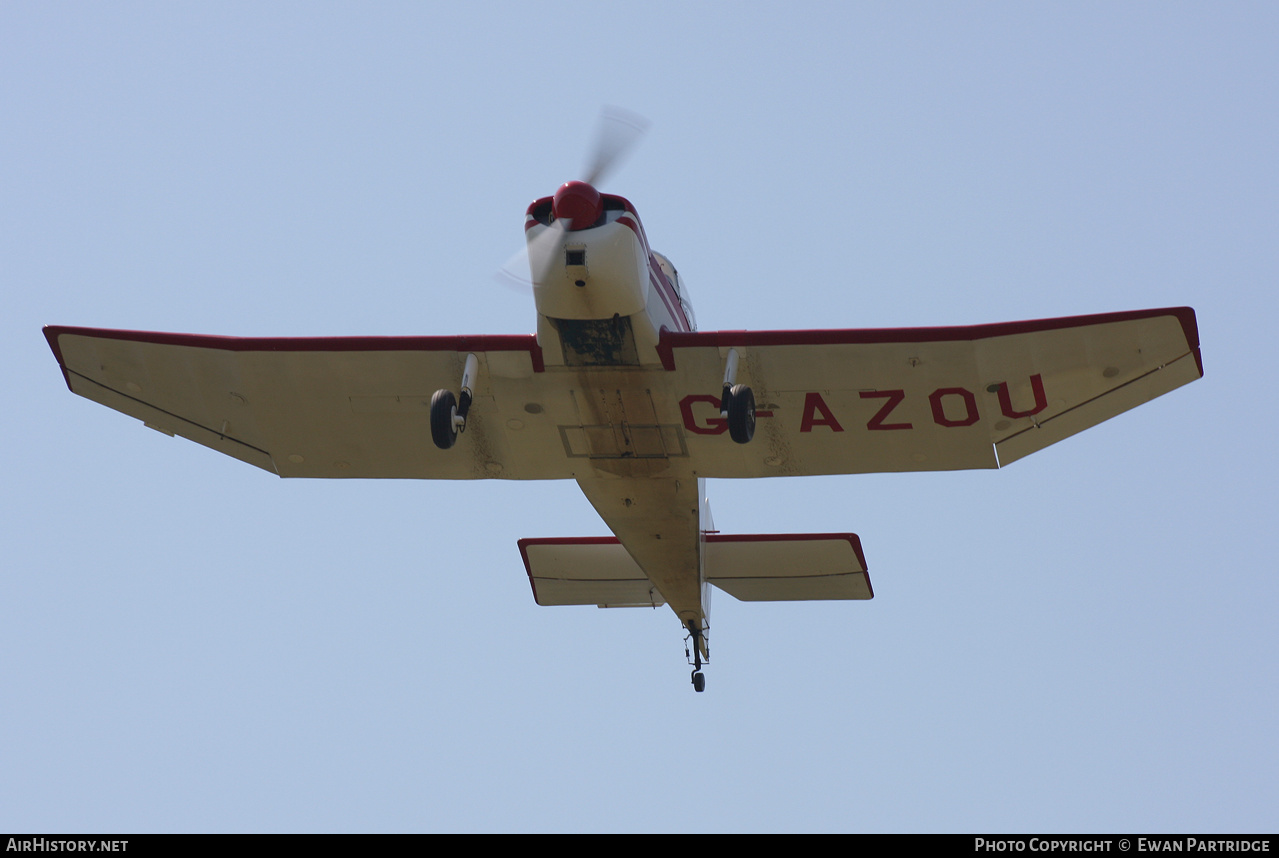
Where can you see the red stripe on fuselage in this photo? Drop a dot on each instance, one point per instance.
(676, 316)
(658, 279)
(665, 289)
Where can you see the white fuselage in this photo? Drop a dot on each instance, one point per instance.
(600, 274)
(603, 300)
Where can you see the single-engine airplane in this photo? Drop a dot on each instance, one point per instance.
(619, 391)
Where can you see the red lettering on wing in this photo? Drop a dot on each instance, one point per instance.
(712, 426)
(939, 414)
(894, 398)
(1006, 400)
(813, 404)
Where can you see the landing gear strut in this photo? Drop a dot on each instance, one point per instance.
(737, 403)
(448, 413)
(698, 637)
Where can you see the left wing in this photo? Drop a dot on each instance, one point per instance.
(924, 399)
(322, 406)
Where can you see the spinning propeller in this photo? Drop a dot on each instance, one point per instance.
(579, 202)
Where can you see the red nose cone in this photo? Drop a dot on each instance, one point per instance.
(579, 203)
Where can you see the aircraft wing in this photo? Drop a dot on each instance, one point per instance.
(318, 407)
(828, 402)
(924, 399)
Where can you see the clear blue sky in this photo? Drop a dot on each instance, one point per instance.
(1085, 640)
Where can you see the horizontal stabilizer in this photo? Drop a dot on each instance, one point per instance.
(589, 570)
(754, 568)
(788, 567)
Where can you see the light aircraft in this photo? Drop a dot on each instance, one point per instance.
(619, 391)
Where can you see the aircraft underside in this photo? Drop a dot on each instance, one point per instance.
(620, 392)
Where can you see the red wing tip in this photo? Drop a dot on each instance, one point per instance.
(51, 334)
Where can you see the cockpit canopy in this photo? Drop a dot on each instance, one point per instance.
(672, 275)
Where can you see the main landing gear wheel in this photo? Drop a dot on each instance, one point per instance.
(443, 427)
(448, 412)
(741, 414)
